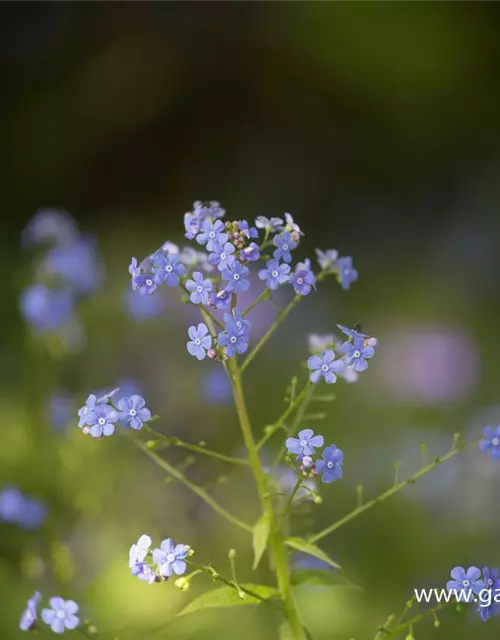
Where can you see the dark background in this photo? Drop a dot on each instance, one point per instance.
(377, 126)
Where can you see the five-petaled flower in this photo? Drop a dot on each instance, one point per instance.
(305, 444)
(303, 279)
(61, 615)
(222, 256)
(236, 335)
(346, 273)
(325, 366)
(491, 442)
(170, 558)
(491, 586)
(357, 354)
(284, 244)
(212, 234)
(200, 341)
(330, 468)
(139, 550)
(133, 411)
(169, 269)
(464, 584)
(275, 274)
(235, 276)
(199, 288)
(271, 224)
(101, 421)
(326, 259)
(30, 615)
(145, 283)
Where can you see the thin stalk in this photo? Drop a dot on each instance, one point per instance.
(289, 503)
(389, 633)
(280, 421)
(275, 537)
(263, 296)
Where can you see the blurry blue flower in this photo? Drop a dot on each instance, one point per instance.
(170, 558)
(76, 264)
(303, 279)
(491, 442)
(304, 561)
(236, 323)
(127, 387)
(101, 421)
(169, 269)
(233, 341)
(210, 209)
(134, 269)
(275, 274)
(200, 341)
(61, 615)
(144, 283)
(212, 234)
(199, 288)
(192, 225)
(142, 307)
(250, 253)
(144, 572)
(350, 375)
(318, 343)
(170, 247)
(305, 444)
(351, 333)
(468, 582)
(271, 224)
(45, 309)
(235, 276)
(490, 586)
(331, 465)
(284, 244)
(346, 273)
(293, 227)
(50, 225)
(216, 387)
(139, 550)
(286, 479)
(325, 366)
(326, 259)
(60, 409)
(220, 300)
(30, 615)
(246, 230)
(356, 354)
(15, 508)
(222, 256)
(133, 411)
(86, 411)
(192, 258)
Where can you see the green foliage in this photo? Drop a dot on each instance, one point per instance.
(259, 540)
(231, 597)
(299, 544)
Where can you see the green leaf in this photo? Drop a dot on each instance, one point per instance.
(299, 544)
(260, 536)
(229, 597)
(319, 577)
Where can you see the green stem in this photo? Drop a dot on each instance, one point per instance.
(289, 503)
(275, 537)
(178, 475)
(390, 492)
(280, 421)
(389, 633)
(263, 296)
(309, 391)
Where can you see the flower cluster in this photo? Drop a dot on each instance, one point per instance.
(16, 508)
(167, 560)
(98, 416)
(304, 448)
(355, 352)
(61, 614)
(215, 273)
(491, 442)
(67, 270)
(482, 588)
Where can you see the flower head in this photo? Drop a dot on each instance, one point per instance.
(236, 335)
(212, 234)
(200, 288)
(351, 333)
(220, 300)
(101, 421)
(346, 273)
(30, 615)
(134, 269)
(284, 244)
(318, 343)
(235, 276)
(200, 341)
(464, 583)
(170, 558)
(144, 283)
(305, 444)
(325, 366)
(293, 227)
(50, 225)
(139, 550)
(303, 279)
(144, 572)
(271, 224)
(18, 509)
(326, 259)
(168, 268)
(133, 411)
(237, 324)
(222, 256)
(491, 442)
(356, 354)
(330, 468)
(250, 253)
(275, 274)
(192, 225)
(46, 309)
(490, 586)
(61, 615)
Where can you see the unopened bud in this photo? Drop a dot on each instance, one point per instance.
(182, 583)
(318, 499)
(437, 624)
(86, 430)
(242, 594)
(232, 554)
(211, 353)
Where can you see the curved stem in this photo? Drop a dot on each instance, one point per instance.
(289, 502)
(389, 633)
(275, 537)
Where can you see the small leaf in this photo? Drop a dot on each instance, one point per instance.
(153, 444)
(229, 597)
(299, 544)
(260, 536)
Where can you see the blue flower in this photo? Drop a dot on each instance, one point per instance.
(271, 224)
(233, 339)
(250, 253)
(491, 442)
(144, 572)
(236, 323)
(134, 269)
(212, 234)
(331, 465)
(247, 230)
(30, 615)
(101, 421)
(199, 288)
(216, 388)
(346, 273)
(60, 409)
(90, 404)
(139, 550)
(318, 343)
(222, 256)
(200, 341)
(235, 276)
(325, 366)
(490, 586)
(133, 411)
(18, 509)
(144, 283)
(170, 558)
(305, 444)
(351, 333)
(284, 244)
(169, 269)
(192, 225)
(464, 583)
(142, 307)
(275, 274)
(356, 354)
(210, 209)
(220, 300)
(50, 225)
(327, 259)
(293, 227)
(76, 264)
(303, 279)
(45, 309)
(61, 615)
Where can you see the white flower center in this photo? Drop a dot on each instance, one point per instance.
(490, 582)
(303, 443)
(170, 557)
(356, 354)
(60, 614)
(324, 367)
(274, 274)
(233, 339)
(197, 341)
(102, 421)
(222, 256)
(329, 465)
(149, 282)
(466, 583)
(211, 234)
(495, 442)
(133, 412)
(200, 288)
(236, 276)
(168, 268)
(285, 247)
(300, 280)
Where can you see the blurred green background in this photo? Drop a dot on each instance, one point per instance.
(377, 126)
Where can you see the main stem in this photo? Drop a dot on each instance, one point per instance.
(275, 535)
